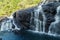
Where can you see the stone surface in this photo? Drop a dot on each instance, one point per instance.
(22, 18)
(50, 12)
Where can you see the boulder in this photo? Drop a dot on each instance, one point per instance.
(22, 18)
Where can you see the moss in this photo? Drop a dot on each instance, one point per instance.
(9, 6)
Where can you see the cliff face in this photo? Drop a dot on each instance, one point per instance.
(22, 17)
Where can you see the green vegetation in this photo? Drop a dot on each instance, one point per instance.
(9, 6)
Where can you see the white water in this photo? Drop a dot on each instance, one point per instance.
(38, 23)
(55, 26)
(7, 25)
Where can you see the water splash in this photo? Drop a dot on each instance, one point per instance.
(7, 25)
(13, 22)
(37, 22)
(54, 27)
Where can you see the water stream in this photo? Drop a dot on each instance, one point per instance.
(7, 25)
(55, 26)
(39, 25)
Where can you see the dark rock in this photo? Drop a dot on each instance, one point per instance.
(55, 26)
(50, 12)
(0, 38)
(22, 18)
(2, 20)
(5, 19)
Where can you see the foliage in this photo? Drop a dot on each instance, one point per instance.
(9, 6)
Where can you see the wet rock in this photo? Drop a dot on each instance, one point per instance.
(55, 26)
(0, 38)
(2, 20)
(6, 24)
(22, 18)
(50, 12)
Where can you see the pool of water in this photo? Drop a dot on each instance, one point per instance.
(27, 35)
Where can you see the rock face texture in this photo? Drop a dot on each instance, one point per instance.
(50, 10)
(3, 19)
(22, 17)
(53, 0)
(54, 27)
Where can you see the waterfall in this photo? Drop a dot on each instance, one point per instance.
(7, 24)
(39, 25)
(35, 21)
(55, 26)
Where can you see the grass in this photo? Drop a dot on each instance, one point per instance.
(9, 6)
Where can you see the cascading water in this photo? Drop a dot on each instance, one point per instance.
(54, 27)
(8, 24)
(38, 23)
